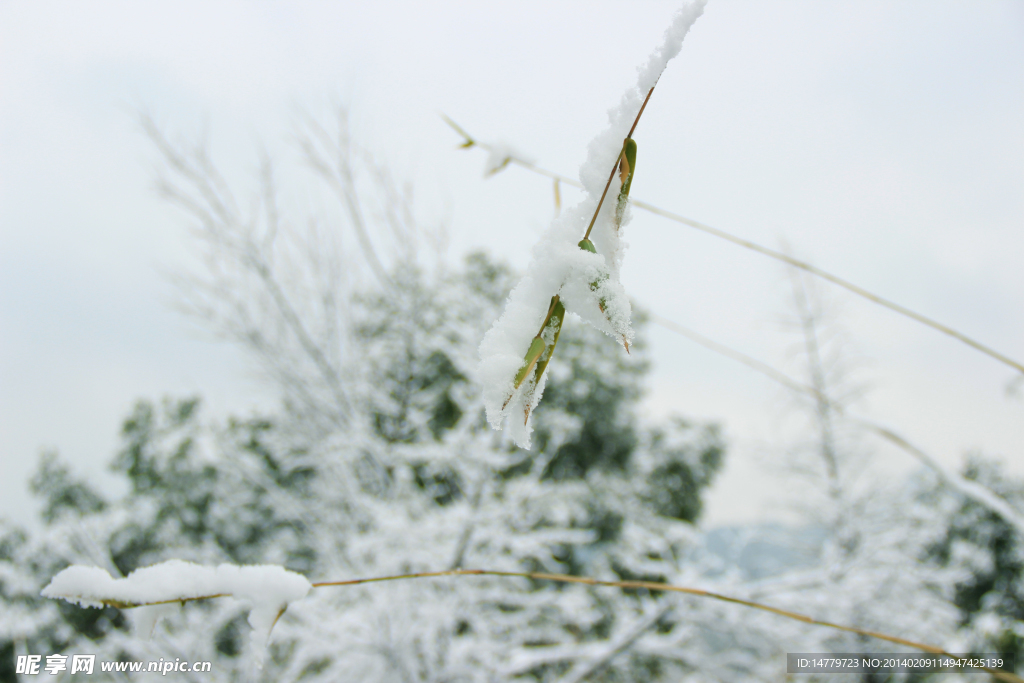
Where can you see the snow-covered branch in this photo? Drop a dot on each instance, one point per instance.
(583, 280)
(268, 589)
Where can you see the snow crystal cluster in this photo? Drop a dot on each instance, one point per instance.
(587, 283)
(154, 589)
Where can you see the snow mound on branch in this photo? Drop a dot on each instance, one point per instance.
(586, 282)
(267, 588)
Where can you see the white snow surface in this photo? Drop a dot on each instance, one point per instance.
(268, 589)
(559, 266)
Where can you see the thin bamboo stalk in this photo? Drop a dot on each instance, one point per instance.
(771, 253)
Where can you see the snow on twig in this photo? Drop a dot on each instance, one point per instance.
(268, 585)
(587, 283)
(752, 246)
(267, 588)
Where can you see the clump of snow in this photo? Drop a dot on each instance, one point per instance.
(586, 282)
(146, 617)
(268, 589)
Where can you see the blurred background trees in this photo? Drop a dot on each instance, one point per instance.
(379, 461)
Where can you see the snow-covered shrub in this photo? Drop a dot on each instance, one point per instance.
(985, 553)
(414, 480)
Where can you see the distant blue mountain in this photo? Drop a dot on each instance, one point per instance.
(760, 551)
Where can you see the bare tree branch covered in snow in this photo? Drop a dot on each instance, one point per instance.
(253, 291)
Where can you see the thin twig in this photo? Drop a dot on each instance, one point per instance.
(738, 356)
(617, 161)
(467, 531)
(971, 489)
(601, 201)
(641, 112)
(655, 586)
(623, 643)
(836, 280)
(770, 253)
(339, 175)
(824, 405)
(225, 226)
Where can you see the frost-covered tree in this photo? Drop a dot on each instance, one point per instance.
(872, 572)
(379, 461)
(986, 554)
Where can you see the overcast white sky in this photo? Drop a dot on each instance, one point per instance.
(884, 141)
